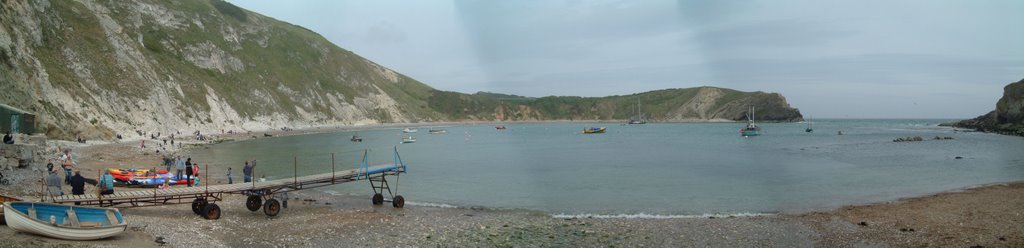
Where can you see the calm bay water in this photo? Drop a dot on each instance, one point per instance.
(660, 169)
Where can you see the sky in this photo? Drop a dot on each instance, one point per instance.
(830, 59)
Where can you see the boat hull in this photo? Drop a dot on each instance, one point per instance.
(594, 130)
(19, 220)
(749, 133)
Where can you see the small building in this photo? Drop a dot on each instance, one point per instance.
(16, 120)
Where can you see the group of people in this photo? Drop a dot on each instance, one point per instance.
(184, 167)
(105, 183)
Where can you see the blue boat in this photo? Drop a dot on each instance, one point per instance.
(64, 221)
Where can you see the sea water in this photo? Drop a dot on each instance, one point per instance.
(656, 170)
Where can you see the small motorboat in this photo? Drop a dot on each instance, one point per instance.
(64, 221)
(356, 138)
(594, 130)
(437, 131)
(408, 139)
(409, 130)
(500, 127)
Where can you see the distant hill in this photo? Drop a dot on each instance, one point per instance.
(1007, 118)
(100, 68)
(670, 105)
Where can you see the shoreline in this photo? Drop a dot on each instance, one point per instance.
(320, 219)
(986, 215)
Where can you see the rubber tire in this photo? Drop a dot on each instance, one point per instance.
(254, 203)
(211, 211)
(378, 199)
(398, 202)
(272, 207)
(198, 205)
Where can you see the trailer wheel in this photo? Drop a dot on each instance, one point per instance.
(398, 202)
(211, 211)
(197, 205)
(272, 207)
(378, 199)
(253, 203)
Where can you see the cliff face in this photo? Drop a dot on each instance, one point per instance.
(1008, 118)
(100, 68)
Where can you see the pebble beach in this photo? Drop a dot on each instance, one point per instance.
(988, 215)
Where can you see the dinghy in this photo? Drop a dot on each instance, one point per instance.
(3, 199)
(64, 221)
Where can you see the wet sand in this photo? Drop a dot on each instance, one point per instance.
(990, 216)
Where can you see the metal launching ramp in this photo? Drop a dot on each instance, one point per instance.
(260, 194)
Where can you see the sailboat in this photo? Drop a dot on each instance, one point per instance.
(810, 125)
(638, 118)
(751, 129)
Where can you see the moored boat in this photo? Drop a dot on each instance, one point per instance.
(594, 130)
(437, 131)
(409, 130)
(64, 221)
(500, 127)
(408, 139)
(356, 138)
(639, 117)
(810, 125)
(751, 129)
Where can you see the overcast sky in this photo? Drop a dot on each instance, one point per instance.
(856, 59)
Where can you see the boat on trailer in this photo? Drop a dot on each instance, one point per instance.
(64, 221)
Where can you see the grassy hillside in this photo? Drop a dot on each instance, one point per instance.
(100, 68)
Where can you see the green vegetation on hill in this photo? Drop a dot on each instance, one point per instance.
(99, 68)
(660, 105)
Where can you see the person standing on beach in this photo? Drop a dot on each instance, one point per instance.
(247, 172)
(77, 185)
(188, 172)
(68, 163)
(229, 171)
(53, 181)
(180, 166)
(168, 161)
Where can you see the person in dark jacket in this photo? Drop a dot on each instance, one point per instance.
(188, 171)
(77, 184)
